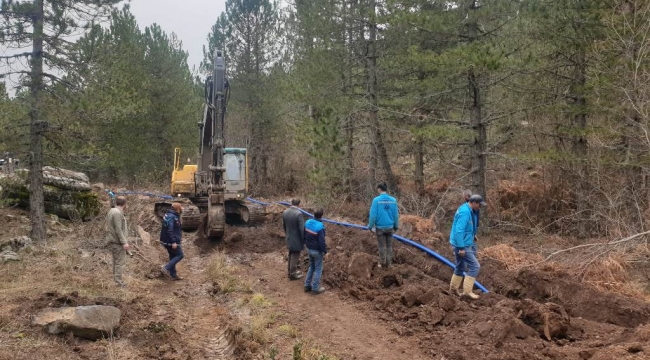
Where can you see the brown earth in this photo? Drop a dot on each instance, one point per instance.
(530, 314)
(236, 302)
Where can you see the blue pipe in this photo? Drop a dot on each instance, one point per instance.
(167, 197)
(401, 239)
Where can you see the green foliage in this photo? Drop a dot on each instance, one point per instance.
(136, 99)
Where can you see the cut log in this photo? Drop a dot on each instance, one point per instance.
(66, 183)
(58, 172)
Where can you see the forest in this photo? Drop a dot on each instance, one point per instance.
(541, 106)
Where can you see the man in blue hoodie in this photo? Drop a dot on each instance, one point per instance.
(384, 221)
(170, 238)
(317, 250)
(463, 233)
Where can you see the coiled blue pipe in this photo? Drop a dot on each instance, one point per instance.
(402, 239)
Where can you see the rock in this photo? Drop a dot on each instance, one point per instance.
(235, 237)
(7, 256)
(98, 186)
(88, 322)
(84, 254)
(391, 280)
(483, 329)
(144, 235)
(446, 303)
(410, 296)
(436, 316)
(549, 320)
(360, 265)
(428, 297)
(587, 354)
(16, 244)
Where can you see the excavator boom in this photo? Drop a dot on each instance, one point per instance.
(220, 179)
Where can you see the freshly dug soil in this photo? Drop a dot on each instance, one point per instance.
(529, 314)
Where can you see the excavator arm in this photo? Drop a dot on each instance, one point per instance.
(209, 178)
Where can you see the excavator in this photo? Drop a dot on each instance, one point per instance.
(216, 188)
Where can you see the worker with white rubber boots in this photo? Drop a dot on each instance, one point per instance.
(462, 236)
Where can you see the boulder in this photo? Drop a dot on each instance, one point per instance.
(88, 322)
(7, 256)
(144, 235)
(16, 244)
(360, 266)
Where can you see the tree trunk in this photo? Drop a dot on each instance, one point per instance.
(579, 142)
(349, 120)
(479, 161)
(419, 164)
(375, 129)
(37, 126)
(479, 157)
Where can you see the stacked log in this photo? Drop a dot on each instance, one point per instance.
(67, 193)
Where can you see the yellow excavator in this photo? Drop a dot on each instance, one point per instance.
(216, 188)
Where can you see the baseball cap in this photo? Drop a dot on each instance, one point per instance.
(477, 199)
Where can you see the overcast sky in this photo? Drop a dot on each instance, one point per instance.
(191, 20)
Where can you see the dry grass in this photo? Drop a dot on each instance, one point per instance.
(608, 273)
(302, 351)
(510, 257)
(223, 275)
(259, 301)
(258, 328)
(613, 274)
(288, 330)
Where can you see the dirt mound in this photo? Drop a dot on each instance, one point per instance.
(528, 314)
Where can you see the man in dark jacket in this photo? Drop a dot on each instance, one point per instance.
(170, 238)
(294, 229)
(317, 249)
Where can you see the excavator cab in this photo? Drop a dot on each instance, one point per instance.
(236, 175)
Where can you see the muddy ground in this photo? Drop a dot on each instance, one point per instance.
(529, 314)
(237, 303)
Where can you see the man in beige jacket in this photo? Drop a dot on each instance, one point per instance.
(116, 238)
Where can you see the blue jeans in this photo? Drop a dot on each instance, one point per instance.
(175, 255)
(315, 269)
(467, 263)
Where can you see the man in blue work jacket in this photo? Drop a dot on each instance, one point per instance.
(170, 238)
(384, 218)
(317, 250)
(462, 236)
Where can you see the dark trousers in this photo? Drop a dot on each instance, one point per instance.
(294, 257)
(175, 256)
(385, 246)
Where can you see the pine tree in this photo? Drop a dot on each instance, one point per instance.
(43, 24)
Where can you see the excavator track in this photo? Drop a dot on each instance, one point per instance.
(256, 214)
(191, 216)
(248, 214)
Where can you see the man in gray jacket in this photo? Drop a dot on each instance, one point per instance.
(294, 228)
(116, 238)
